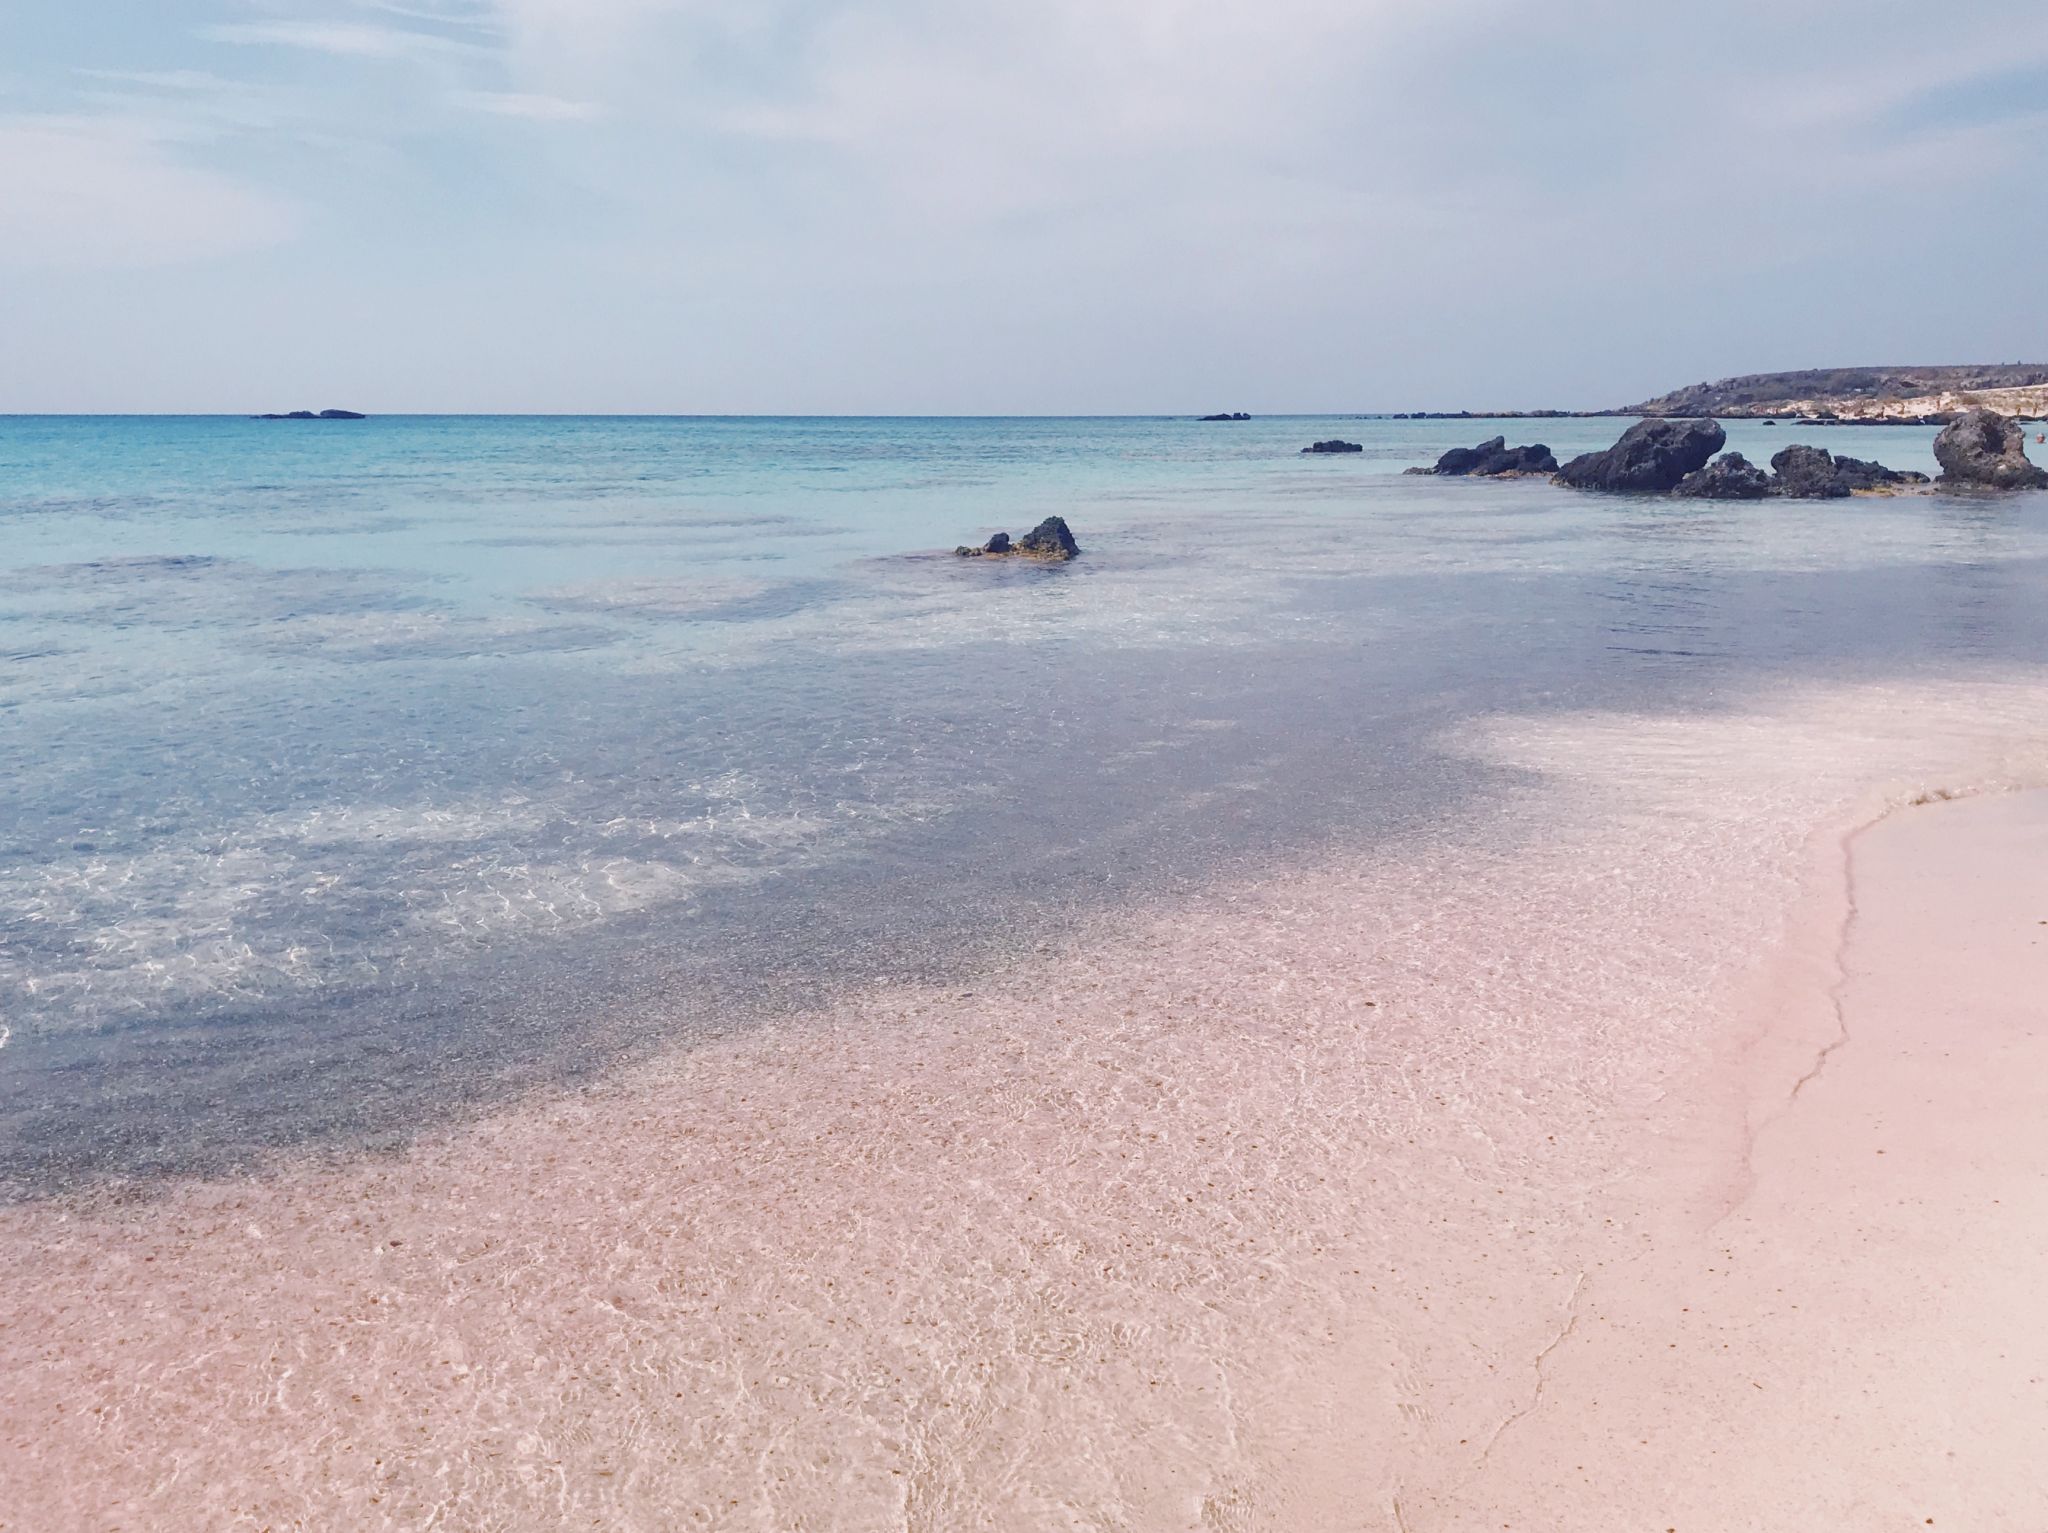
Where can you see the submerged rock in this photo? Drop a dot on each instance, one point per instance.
(1650, 459)
(1984, 450)
(1333, 445)
(1049, 541)
(1729, 477)
(1808, 473)
(1491, 459)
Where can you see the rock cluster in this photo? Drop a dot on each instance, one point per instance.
(1983, 450)
(1798, 472)
(1862, 474)
(1049, 542)
(1232, 415)
(1661, 456)
(1650, 459)
(1333, 445)
(1729, 477)
(308, 415)
(1491, 460)
(1808, 473)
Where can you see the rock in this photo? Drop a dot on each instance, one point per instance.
(1050, 539)
(1984, 450)
(1862, 474)
(1333, 445)
(1463, 460)
(1808, 473)
(1493, 458)
(342, 415)
(1237, 415)
(1533, 459)
(1650, 459)
(308, 415)
(1729, 477)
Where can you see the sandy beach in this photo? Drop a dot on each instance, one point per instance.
(1855, 1340)
(1382, 1196)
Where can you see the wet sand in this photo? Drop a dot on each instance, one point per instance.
(1354, 1199)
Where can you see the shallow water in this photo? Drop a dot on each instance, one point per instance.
(359, 773)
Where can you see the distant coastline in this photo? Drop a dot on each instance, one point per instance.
(1864, 396)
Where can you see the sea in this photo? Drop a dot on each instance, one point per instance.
(356, 776)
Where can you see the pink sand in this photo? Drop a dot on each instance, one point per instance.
(1354, 1199)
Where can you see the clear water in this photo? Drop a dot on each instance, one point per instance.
(356, 773)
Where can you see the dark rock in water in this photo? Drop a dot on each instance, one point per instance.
(1333, 445)
(1808, 473)
(1650, 459)
(1813, 473)
(1984, 450)
(1862, 474)
(1050, 539)
(1533, 459)
(342, 415)
(308, 415)
(1729, 477)
(1493, 458)
(1237, 415)
(1463, 460)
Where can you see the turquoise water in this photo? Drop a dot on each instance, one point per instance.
(357, 772)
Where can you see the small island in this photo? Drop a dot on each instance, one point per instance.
(312, 415)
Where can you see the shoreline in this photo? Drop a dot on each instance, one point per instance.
(1854, 1341)
(1288, 1207)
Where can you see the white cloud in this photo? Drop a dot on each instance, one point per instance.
(344, 39)
(97, 193)
(534, 108)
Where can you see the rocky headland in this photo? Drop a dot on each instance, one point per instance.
(1875, 395)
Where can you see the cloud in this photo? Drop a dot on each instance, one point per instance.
(533, 108)
(98, 193)
(342, 39)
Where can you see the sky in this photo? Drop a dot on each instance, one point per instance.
(993, 206)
